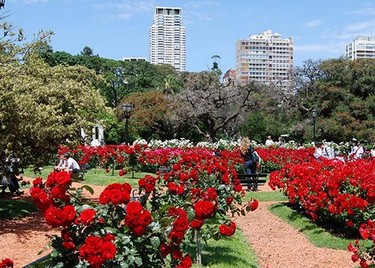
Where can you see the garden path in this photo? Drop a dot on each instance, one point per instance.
(276, 244)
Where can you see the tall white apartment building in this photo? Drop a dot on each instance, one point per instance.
(265, 58)
(361, 48)
(168, 38)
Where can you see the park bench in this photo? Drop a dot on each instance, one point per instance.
(79, 175)
(252, 179)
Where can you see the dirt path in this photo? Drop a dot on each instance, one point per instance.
(277, 244)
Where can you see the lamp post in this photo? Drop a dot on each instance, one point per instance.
(314, 113)
(127, 108)
(2, 3)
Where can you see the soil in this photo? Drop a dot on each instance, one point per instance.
(276, 244)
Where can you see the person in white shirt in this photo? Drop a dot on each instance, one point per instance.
(328, 151)
(269, 141)
(71, 164)
(357, 151)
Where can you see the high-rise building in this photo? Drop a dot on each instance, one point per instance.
(361, 48)
(168, 38)
(265, 58)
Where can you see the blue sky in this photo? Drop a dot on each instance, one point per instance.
(119, 28)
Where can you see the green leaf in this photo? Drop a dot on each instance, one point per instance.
(88, 188)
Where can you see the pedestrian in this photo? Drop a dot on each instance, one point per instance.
(9, 175)
(251, 160)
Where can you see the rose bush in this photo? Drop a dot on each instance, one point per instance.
(196, 194)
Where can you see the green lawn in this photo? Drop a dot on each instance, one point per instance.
(228, 252)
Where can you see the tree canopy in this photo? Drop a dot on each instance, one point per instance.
(42, 107)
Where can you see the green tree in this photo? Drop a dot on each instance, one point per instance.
(42, 107)
(151, 115)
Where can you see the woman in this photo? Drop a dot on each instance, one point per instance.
(250, 162)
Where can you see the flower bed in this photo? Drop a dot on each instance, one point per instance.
(191, 200)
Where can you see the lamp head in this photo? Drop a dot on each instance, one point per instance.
(127, 108)
(314, 113)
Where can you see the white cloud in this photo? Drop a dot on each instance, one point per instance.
(361, 26)
(314, 23)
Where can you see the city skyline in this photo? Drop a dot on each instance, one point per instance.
(120, 28)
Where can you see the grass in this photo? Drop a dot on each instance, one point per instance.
(228, 252)
(15, 209)
(317, 235)
(275, 196)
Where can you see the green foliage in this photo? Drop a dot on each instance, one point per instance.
(151, 116)
(42, 107)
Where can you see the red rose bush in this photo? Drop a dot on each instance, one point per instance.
(196, 195)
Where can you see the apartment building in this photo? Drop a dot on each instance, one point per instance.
(168, 38)
(265, 58)
(361, 48)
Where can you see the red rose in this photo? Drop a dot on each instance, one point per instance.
(105, 196)
(196, 223)
(254, 205)
(87, 216)
(6, 263)
(227, 230)
(203, 209)
(69, 245)
(63, 178)
(37, 182)
(108, 250)
(186, 262)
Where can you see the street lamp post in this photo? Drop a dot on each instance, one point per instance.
(2, 3)
(127, 108)
(314, 116)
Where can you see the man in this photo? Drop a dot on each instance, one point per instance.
(71, 164)
(357, 150)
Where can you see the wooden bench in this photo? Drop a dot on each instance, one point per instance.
(252, 180)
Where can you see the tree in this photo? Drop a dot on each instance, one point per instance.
(87, 51)
(150, 118)
(42, 107)
(211, 107)
(342, 91)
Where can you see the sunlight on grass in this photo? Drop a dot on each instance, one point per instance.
(276, 196)
(228, 252)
